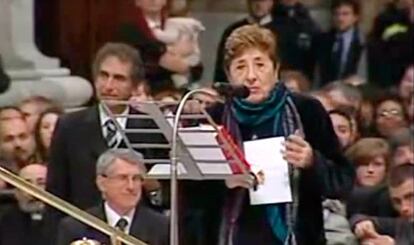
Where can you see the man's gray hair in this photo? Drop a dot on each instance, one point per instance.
(107, 158)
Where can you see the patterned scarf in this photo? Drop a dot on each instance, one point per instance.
(281, 107)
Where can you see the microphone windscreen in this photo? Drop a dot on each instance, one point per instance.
(229, 90)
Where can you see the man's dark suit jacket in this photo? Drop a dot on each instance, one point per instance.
(327, 63)
(76, 145)
(18, 228)
(147, 225)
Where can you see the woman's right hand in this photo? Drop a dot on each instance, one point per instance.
(240, 180)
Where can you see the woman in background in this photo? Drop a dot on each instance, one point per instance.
(44, 131)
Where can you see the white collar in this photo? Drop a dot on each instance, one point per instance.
(112, 216)
(153, 24)
(104, 117)
(263, 21)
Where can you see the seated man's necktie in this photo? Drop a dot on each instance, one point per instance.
(121, 224)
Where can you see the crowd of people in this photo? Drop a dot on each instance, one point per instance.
(343, 101)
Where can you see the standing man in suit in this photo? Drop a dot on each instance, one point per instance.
(340, 50)
(119, 178)
(80, 137)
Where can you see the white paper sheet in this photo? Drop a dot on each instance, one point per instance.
(205, 136)
(266, 160)
(165, 169)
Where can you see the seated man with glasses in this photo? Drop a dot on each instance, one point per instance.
(120, 174)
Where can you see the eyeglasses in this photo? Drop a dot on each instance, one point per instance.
(125, 178)
(390, 113)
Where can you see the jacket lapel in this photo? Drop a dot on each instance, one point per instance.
(354, 54)
(93, 131)
(138, 223)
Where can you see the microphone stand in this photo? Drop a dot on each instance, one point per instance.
(174, 168)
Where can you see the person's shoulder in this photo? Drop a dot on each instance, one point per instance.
(157, 219)
(305, 101)
(79, 116)
(70, 223)
(74, 224)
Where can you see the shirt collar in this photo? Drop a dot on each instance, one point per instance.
(347, 33)
(104, 117)
(263, 21)
(112, 216)
(153, 24)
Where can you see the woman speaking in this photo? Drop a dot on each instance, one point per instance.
(316, 166)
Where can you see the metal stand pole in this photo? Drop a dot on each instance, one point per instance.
(174, 168)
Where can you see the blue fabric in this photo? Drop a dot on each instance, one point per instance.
(251, 114)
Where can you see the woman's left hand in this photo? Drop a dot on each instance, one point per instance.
(298, 151)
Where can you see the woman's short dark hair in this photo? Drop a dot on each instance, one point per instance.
(247, 37)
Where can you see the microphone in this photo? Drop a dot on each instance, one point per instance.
(228, 90)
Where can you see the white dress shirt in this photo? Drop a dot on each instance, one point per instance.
(120, 120)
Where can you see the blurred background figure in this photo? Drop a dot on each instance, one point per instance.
(390, 49)
(324, 98)
(371, 159)
(22, 223)
(44, 129)
(355, 80)
(389, 114)
(342, 123)
(17, 144)
(388, 231)
(365, 117)
(259, 12)
(9, 112)
(296, 81)
(340, 51)
(142, 93)
(160, 60)
(402, 147)
(344, 95)
(4, 78)
(370, 195)
(32, 107)
(406, 90)
(208, 98)
(296, 33)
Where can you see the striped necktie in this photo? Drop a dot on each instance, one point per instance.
(110, 137)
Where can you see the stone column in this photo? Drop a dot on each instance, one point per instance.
(31, 72)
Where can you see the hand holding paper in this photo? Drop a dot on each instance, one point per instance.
(271, 171)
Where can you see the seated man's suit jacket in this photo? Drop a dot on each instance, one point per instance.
(147, 225)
